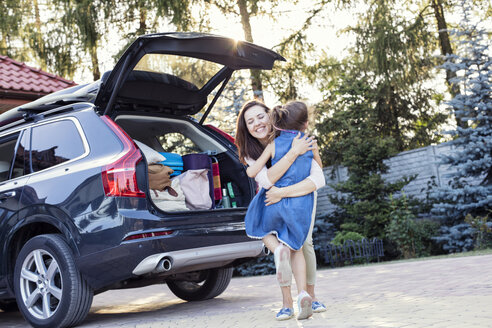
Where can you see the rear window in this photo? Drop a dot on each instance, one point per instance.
(55, 143)
(193, 70)
(178, 143)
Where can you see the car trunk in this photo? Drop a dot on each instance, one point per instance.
(158, 84)
(181, 137)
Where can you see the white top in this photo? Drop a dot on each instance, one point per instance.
(316, 175)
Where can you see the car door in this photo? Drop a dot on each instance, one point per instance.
(12, 181)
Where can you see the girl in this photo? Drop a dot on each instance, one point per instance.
(291, 116)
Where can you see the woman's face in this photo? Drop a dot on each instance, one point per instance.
(258, 123)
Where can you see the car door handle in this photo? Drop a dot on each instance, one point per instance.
(8, 194)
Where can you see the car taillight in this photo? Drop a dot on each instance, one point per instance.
(224, 134)
(120, 177)
(149, 235)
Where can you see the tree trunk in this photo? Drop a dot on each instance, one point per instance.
(255, 74)
(446, 49)
(142, 28)
(39, 37)
(96, 73)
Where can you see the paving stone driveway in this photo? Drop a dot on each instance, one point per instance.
(448, 293)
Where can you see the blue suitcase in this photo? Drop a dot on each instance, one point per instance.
(174, 161)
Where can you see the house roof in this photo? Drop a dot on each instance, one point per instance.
(18, 80)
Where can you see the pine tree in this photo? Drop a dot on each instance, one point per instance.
(472, 146)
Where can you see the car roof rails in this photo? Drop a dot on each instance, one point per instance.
(21, 115)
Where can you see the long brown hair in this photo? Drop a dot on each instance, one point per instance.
(247, 145)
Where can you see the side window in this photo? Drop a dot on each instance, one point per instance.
(7, 149)
(54, 143)
(21, 162)
(178, 143)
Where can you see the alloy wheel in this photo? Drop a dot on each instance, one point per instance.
(41, 284)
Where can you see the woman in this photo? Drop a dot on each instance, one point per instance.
(253, 128)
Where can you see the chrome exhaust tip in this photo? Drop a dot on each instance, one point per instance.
(164, 265)
(264, 251)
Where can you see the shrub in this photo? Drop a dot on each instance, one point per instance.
(482, 230)
(412, 237)
(343, 236)
(457, 238)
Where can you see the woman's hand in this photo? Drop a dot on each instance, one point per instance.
(274, 195)
(300, 145)
(316, 155)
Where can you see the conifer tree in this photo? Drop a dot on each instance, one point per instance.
(472, 146)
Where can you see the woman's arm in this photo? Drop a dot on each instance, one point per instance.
(299, 146)
(316, 155)
(313, 182)
(274, 194)
(253, 169)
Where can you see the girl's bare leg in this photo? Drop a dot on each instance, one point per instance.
(287, 301)
(304, 300)
(271, 242)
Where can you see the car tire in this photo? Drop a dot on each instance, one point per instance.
(214, 284)
(8, 306)
(49, 289)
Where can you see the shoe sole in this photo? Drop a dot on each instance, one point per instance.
(319, 310)
(284, 318)
(305, 309)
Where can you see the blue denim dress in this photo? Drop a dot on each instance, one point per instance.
(290, 218)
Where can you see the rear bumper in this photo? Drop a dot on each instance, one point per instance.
(110, 266)
(198, 258)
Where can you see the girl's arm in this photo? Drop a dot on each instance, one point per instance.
(253, 170)
(299, 146)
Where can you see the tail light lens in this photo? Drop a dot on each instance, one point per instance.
(120, 178)
(224, 134)
(149, 235)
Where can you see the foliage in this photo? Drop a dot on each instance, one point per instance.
(457, 238)
(353, 138)
(342, 236)
(413, 237)
(62, 35)
(323, 232)
(482, 230)
(472, 155)
(235, 94)
(393, 53)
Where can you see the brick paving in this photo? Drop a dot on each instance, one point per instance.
(448, 293)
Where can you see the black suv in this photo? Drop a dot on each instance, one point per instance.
(76, 213)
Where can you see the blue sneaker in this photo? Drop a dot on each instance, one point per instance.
(318, 307)
(284, 314)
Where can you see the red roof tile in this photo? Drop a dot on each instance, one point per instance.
(16, 76)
